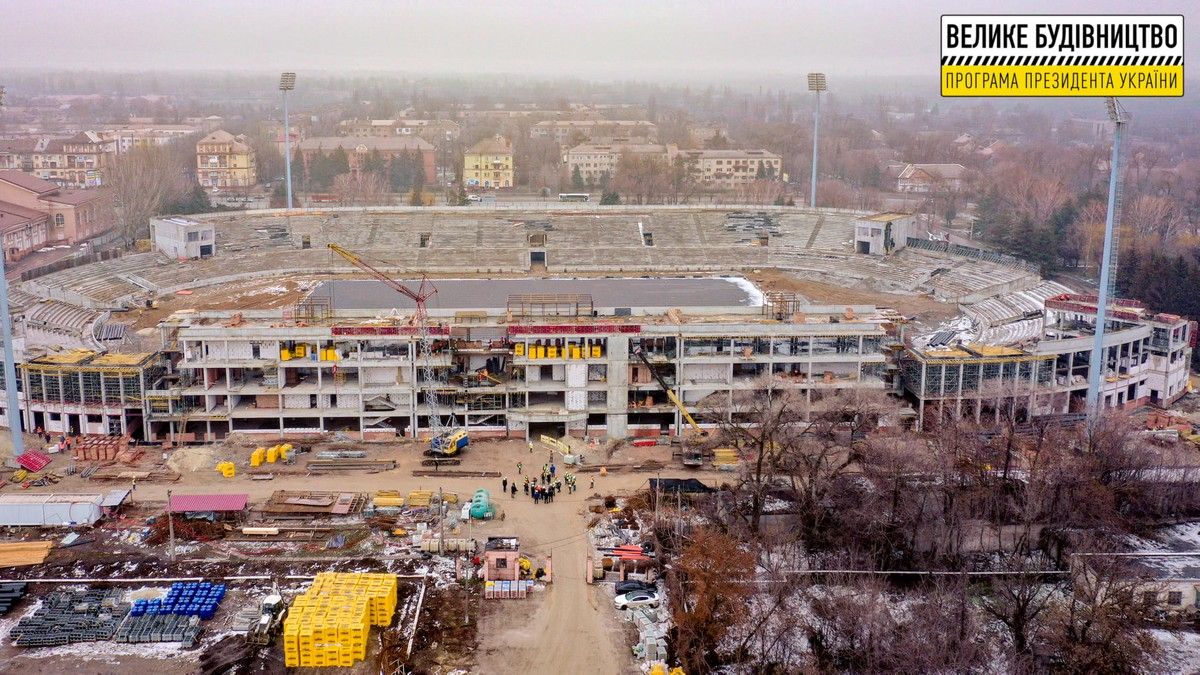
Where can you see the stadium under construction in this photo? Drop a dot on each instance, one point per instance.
(559, 320)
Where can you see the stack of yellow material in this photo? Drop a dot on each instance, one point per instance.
(257, 457)
(420, 497)
(227, 469)
(388, 498)
(725, 457)
(20, 553)
(328, 624)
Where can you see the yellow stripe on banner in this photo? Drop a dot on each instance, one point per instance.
(1062, 80)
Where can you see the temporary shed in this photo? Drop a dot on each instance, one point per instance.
(34, 510)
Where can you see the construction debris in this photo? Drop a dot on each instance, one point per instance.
(285, 502)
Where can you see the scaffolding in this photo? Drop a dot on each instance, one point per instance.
(88, 378)
(550, 304)
(782, 306)
(312, 309)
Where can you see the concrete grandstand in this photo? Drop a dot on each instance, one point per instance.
(268, 261)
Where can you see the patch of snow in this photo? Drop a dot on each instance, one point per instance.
(1181, 650)
(753, 292)
(111, 652)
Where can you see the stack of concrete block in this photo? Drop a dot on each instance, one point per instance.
(652, 626)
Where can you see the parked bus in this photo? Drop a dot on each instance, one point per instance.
(573, 196)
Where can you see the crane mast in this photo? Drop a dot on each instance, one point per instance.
(430, 376)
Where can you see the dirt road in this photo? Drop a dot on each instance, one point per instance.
(568, 627)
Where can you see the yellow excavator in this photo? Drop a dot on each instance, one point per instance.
(692, 454)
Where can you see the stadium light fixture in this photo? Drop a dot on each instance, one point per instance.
(287, 82)
(816, 84)
(1098, 362)
(13, 409)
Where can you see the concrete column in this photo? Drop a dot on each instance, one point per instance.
(617, 355)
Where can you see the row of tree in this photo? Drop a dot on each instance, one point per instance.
(805, 562)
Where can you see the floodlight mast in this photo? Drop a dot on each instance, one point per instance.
(13, 408)
(287, 82)
(816, 84)
(1098, 362)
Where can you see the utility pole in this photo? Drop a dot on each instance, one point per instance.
(170, 528)
(816, 84)
(13, 409)
(1098, 361)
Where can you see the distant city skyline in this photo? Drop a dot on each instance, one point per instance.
(623, 39)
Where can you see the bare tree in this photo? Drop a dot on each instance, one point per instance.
(143, 181)
(362, 189)
(1099, 626)
(1019, 600)
(709, 584)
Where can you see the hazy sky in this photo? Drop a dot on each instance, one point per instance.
(635, 39)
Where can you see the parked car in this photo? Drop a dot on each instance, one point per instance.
(636, 599)
(632, 586)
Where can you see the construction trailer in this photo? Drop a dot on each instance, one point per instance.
(52, 510)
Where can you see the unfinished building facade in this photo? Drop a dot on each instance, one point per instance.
(527, 365)
(1147, 359)
(85, 392)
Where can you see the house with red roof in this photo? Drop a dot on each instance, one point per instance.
(71, 215)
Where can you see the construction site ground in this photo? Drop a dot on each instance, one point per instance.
(569, 626)
(924, 309)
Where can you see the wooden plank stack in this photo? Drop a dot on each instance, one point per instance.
(21, 553)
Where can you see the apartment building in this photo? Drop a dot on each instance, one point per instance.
(22, 231)
(71, 215)
(595, 162)
(925, 178)
(126, 137)
(565, 132)
(1147, 360)
(431, 130)
(225, 161)
(17, 153)
(729, 169)
(489, 164)
(358, 150)
(512, 365)
(75, 162)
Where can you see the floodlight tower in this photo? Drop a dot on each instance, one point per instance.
(287, 82)
(13, 408)
(816, 84)
(1098, 362)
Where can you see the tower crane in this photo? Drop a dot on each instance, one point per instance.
(443, 441)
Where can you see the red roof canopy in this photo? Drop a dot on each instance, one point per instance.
(187, 503)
